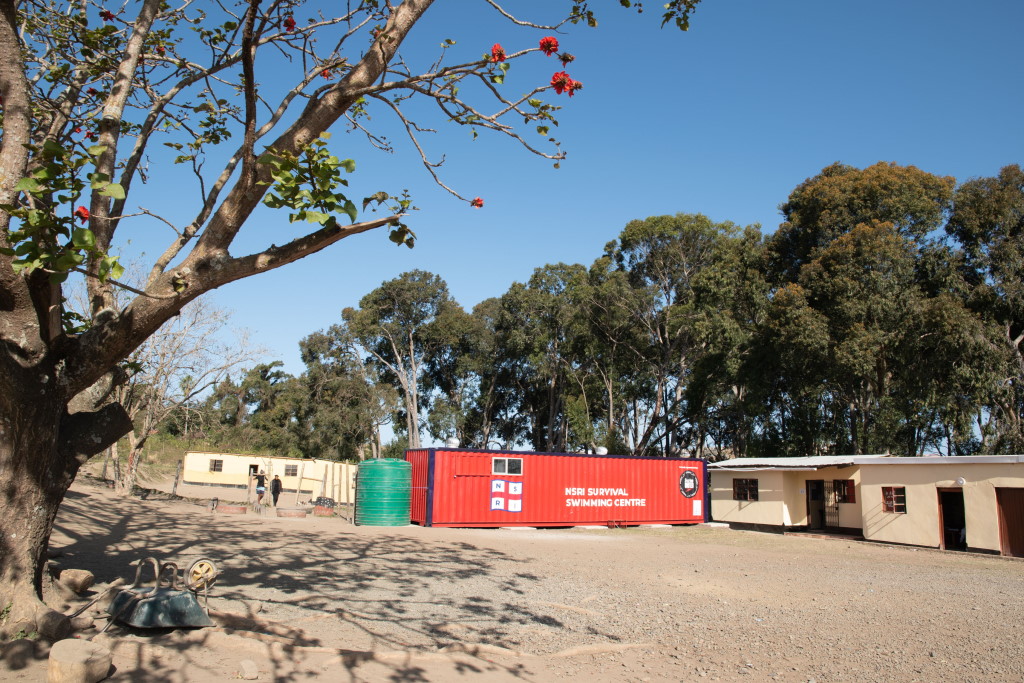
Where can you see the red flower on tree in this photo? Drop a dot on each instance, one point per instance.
(107, 15)
(560, 81)
(477, 203)
(326, 73)
(91, 91)
(289, 23)
(89, 135)
(549, 45)
(82, 214)
(497, 53)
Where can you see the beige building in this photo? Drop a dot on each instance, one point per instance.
(301, 479)
(966, 503)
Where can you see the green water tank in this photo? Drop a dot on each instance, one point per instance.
(383, 492)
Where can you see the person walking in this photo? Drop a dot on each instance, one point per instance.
(275, 489)
(261, 486)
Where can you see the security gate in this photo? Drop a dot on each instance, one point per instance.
(831, 505)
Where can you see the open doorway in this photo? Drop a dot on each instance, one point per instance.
(952, 519)
(815, 504)
(254, 470)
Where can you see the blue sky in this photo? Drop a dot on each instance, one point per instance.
(724, 120)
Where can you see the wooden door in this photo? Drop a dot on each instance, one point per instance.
(1011, 521)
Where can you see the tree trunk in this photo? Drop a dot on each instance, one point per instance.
(42, 447)
(115, 463)
(177, 478)
(130, 475)
(35, 479)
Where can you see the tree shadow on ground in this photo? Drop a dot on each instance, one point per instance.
(351, 593)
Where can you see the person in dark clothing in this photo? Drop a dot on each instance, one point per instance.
(261, 486)
(275, 488)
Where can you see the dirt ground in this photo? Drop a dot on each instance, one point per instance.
(324, 598)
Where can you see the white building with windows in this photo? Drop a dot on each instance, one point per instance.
(301, 479)
(966, 503)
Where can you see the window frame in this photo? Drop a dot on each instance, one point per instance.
(894, 499)
(505, 462)
(745, 490)
(291, 470)
(845, 491)
(216, 464)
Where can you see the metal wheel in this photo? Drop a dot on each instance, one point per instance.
(201, 574)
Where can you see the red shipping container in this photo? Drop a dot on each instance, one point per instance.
(473, 488)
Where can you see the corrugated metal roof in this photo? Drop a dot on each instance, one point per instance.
(954, 460)
(812, 462)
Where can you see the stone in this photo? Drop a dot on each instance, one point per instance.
(78, 580)
(78, 661)
(250, 670)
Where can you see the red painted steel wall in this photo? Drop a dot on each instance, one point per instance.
(556, 489)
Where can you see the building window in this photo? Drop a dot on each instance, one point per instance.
(894, 499)
(744, 489)
(291, 470)
(845, 490)
(507, 466)
(216, 465)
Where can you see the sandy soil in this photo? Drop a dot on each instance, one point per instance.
(324, 598)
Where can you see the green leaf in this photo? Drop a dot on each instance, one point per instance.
(52, 148)
(27, 185)
(350, 209)
(113, 190)
(98, 180)
(97, 150)
(67, 261)
(83, 238)
(109, 267)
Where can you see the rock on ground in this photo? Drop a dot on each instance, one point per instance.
(78, 661)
